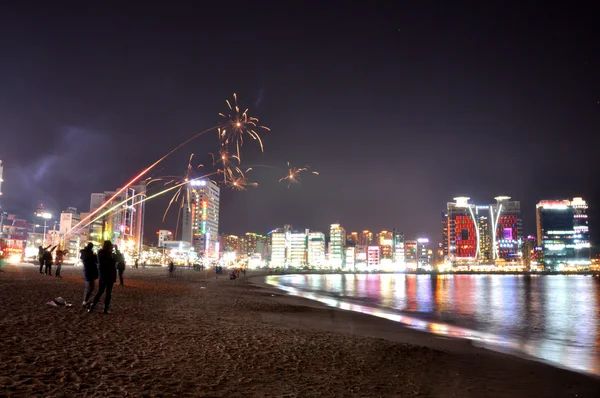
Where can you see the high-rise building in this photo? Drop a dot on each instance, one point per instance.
(482, 232)
(507, 227)
(373, 257)
(385, 240)
(164, 236)
(316, 249)
(252, 243)
(366, 238)
(297, 248)
(201, 218)
(71, 241)
(337, 242)
(125, 224)
(278, 247)
(350, 258)
(398, 247)
(353, 238)
(411, 254)
(424, 253)
(563, 234)
(230, 243)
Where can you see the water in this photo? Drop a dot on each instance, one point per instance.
(553, 318)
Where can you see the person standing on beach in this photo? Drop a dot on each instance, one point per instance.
(120, 259)
(41, 258)
(107, 272)
(90, 271)
(60, 258)
(47, 257)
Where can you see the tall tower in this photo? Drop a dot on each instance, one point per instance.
(200, 225)
(506, 229)
(337, 241)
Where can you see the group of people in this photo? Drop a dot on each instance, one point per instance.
(104, 267)
(45, 259)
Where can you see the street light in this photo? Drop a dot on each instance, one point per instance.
(46, 216)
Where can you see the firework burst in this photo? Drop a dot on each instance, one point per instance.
(237, 125)
(293, 174)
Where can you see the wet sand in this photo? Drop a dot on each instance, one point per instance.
(197, 336)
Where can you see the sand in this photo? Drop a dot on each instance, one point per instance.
(200, 337)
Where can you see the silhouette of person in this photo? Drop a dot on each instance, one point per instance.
(48, 260)
(120, 259)
(107, 275)
(90, 271)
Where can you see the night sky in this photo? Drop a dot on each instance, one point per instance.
(400, 107)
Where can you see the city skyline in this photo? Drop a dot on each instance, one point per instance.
(379, 119)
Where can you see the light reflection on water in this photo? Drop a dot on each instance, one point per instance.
(554, 318)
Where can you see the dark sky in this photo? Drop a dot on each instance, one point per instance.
(399, 105)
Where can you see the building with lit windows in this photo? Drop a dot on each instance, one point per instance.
(365, 238)
(316, 249)
(252, 243)
(482, 232)
(230, 243)
(424, 254)
(200, 225)
(164, 236)
(563, 234)
(353, 238)
(411, 253)
(398, 247)
(278, 247)
(373, 257)
(71, 240)
(297, 248)
(337, 242)
(123, 226)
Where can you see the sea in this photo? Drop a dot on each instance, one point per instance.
(552, 318)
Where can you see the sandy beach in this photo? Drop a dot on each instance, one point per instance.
(198, 336)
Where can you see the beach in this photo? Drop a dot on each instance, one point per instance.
(195, 335)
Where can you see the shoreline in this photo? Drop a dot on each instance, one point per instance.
(447, 341)
(194, 335)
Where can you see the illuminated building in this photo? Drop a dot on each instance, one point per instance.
(278, 247)
(124, 226)
(73, 241)
(507, 227)
(353, 238)
(366, 238)
(398, 247)
(14, 233)
(230, 243)
(424, 253)
(563, 234)
(201, 218)
(337, 241)
(373, 257)
(164, 236)
(350, 258)
(360, 257)
(410, 252)
(482, 232)
(252, 243)
(297, 248)
(316, 249)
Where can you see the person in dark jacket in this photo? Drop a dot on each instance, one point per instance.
(41, 258)
(90, 271)
(48, 260)
(107, 275)
(120, 259)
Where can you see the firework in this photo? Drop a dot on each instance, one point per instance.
(237, 125)
(293, 174)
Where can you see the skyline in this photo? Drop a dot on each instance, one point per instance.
(375, 121)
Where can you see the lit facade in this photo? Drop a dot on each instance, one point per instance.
(373, 257)
(563, 234)
(337, 242)
(73, 241)
(353, 238)
(201, 218)
(230, 243)
(424, 254)
(482, 232)
(365, 238)
(252, 243)
(124, 226)
(398, 247)
(410, 252)
(164, 236)
(297, 248)
(316, 249)
(278, 248)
